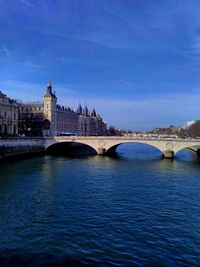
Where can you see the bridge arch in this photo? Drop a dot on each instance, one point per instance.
(195, 149)
(70, 146)
(112, 149)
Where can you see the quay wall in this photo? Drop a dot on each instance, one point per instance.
(13, 147)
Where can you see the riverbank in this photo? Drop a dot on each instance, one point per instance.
(13, 149)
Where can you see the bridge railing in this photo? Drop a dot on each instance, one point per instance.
(125, 138)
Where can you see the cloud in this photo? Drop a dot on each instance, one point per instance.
(196, 46)
(4, 53)
(121, 81)
(28, 92)
(64, 90)
(31, 65)
(123, 18)
(24, 91)
(27, 3)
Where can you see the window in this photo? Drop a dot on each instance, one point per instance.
(5, 115)
(14, 116)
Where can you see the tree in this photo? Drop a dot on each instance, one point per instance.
(31, 124)
(112, 131)
(194, 129)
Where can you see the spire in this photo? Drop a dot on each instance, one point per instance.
(49, 85)
(93, 114)
(49, 92)
(85, 111)
(79, 110)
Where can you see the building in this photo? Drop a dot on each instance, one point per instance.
(8, 116)
(31, 119)
(51, 119)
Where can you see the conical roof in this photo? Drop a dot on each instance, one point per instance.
(93, 114)
(85, 111)
(49, 84)
(79, 110)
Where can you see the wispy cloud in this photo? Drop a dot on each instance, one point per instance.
(27, 3)
(125, 19)
(31, 65)
(122, 81)
(24, 91)
(196, 46)
(62, 89)
(6, 51)
(27, 91)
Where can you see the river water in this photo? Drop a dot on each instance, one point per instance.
(133, 209)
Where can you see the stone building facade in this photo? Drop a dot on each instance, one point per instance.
(65, 119)
(51, 119)
(8, 116)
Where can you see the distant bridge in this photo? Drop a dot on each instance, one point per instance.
(108, 144)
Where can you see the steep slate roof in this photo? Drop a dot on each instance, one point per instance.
(64, 109)
(79, 110)
(85, 111)
(93, 113)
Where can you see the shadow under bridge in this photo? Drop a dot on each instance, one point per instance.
(70, 148)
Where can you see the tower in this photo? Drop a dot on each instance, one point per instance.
(50, 101)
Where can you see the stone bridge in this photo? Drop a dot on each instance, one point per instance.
(100, 144)
(106, 144)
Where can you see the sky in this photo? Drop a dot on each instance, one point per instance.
(136, 61)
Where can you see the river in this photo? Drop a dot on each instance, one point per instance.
(132, 209)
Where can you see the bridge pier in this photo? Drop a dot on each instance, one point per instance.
(168, 154)
(101, 151)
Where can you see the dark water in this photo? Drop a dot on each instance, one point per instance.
(132, 209)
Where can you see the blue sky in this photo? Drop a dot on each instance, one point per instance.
(136, 61)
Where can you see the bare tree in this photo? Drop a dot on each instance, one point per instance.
(112, 131)
(194, 129)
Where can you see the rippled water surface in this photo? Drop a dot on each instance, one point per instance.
(132, 209)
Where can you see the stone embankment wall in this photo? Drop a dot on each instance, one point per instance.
(11, 147)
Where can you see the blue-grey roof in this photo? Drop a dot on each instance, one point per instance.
(93, 114)
(79, 110)
(85, 111)
(49, 92)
